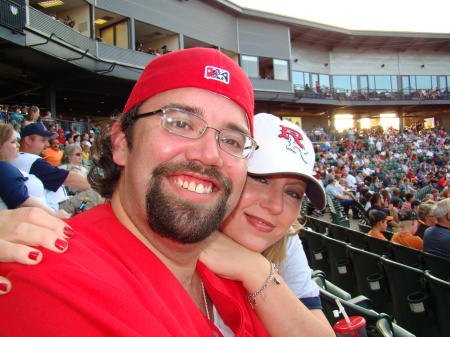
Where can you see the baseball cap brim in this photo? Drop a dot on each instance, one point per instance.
(314, 189)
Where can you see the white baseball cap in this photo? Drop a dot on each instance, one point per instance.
(285, 149)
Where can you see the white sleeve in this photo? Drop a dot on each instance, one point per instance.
(296, 271)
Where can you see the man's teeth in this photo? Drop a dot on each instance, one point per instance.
(193, 187)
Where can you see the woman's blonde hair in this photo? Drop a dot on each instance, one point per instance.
(6, 131)
(277, 252)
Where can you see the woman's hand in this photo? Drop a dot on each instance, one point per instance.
(61, 214)
(230, 260)
(29, 226)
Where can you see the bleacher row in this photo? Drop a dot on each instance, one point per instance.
(398, 284)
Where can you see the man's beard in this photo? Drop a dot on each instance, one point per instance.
(182, 220)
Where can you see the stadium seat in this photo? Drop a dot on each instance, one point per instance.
(406, 255)
(316, 250)
(341, 267)
(411, 300)
(378, 246)
(364, 228)
(440, 293)
(436, 265)
(338, 232)
(370, 279)
(356, 238)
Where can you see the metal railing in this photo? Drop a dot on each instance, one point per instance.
(12, 15)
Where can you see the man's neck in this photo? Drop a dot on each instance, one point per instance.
(181, 259)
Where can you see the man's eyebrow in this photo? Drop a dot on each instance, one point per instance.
(199, 112)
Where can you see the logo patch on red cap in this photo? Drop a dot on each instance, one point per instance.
(294, 138)
(217, 74)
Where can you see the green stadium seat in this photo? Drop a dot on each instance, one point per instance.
(440, 293)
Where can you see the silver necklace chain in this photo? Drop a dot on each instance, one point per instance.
(206, 302)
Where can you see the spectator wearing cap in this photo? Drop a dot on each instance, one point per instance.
(436, 239)
(34, 141)
(377, 220)
(408, 227)
(61, 139)
(426, 217)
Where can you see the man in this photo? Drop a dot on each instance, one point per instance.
(436, 239)
(396, 196)
(134, 269)
(346, 201)
(351, 180)
(35, 140)
(388, 181)
(376, 203)
(61, 139)
(53, 153)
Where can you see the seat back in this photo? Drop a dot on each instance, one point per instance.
(411, 301)
(406, 255)
(378, 246)
(437, 265)
(342, 273)
(364, 228)
(357, 238)
(370, 278)
(338, 232)
(440, 292)
(316, 250)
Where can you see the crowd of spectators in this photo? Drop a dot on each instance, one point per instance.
(325, 92)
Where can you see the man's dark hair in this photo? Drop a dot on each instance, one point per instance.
(104, 178)
(375, 198)
(409, 196)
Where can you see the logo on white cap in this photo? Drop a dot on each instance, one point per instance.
(214, 73)
(294, 139)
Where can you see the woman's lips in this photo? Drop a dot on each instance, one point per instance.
(259, 224)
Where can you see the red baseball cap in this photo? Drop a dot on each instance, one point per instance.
(204, 68)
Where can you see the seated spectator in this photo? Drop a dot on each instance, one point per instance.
(377, 205)
(346, 201)
(32, 116)
(19, 189)
(69, 139)
(408, 227)
(415, 205)
(53, 154)
(394, 208)
(436, 239)
(61, 139)
(85, 152)
(426, 217)
(409, 199)
(377, 220)
(396, 196)
(34, 141)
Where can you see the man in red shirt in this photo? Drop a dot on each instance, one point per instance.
(134, 269)
(60, 137)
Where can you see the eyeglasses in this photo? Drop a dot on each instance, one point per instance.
(78, 154)
(186, 124)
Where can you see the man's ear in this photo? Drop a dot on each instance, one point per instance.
(119, 144)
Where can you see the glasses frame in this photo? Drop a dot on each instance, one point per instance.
(255, 146)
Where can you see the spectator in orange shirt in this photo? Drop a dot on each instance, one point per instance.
(409, 223)
(53, 154)
(377, 220)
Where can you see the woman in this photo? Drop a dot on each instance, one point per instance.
(32, 116)
(269, 205)
(19, 189)
(77, 139)
(71, 159)
(69, 139)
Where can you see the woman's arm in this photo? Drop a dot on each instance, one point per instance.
(279, 310)
(25, 227)
(31, 202)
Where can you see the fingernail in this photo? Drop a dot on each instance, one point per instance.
(33, 255)
(68, 232)
(3, 287)
(60, 244)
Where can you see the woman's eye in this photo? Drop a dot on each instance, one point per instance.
(259, 179)
(294, 194)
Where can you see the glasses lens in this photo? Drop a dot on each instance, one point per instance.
(236, 143)
(78, 154)
(183, 123)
